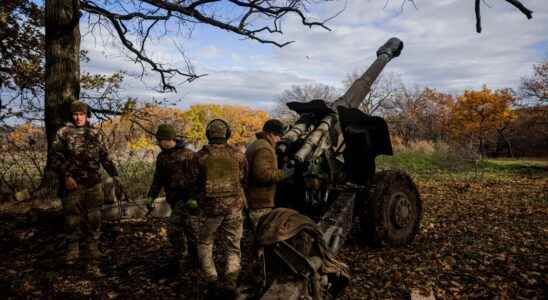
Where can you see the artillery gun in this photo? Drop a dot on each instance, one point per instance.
(332, 148)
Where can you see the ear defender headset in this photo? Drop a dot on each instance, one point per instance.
(228, 130)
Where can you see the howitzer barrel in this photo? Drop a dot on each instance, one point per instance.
(314, 137)
(362, 86)
(295, 132)
(292, 135)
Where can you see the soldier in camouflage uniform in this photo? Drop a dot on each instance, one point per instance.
(78, 151)
(176, 175)
(222, 173)
(263, 170)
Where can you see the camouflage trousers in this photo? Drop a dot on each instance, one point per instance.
(256, 214)
(82, 209)
(180, 236)
(229, 230)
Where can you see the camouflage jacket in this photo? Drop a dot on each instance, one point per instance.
(79, 152)
(221, 205)
(175, 173)
(263, 173)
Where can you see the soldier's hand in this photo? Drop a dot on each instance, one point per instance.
(70, 183)
(191, 204)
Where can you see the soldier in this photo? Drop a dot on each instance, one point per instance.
(175, 174)
(77, 153)
(222, 174)
(263, 170)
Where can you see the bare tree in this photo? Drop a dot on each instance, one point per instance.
(401, 113)
(534, 89)
(419, 113)
(302, 93)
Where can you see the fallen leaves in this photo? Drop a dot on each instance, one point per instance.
(480, 238)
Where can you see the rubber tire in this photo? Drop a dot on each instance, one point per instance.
(376, 225)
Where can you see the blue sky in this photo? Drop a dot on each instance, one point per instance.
(442, 51)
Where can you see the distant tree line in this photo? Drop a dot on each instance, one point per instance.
(500, 122)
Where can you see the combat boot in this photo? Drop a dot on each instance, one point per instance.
(73, 253)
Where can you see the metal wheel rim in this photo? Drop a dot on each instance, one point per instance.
(401, 210)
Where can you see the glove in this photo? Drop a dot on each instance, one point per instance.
(191, 204)
(70, 183)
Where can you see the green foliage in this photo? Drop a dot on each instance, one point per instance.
(515, 166)
(420, 163)
(449, 165)
(135, 175)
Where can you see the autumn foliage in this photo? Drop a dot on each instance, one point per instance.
(479, 114)
(24, 135)
(135, 129)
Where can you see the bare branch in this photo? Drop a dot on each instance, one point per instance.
(121, 30)
(89, 6)
(516, 3)
(195, 11)
(478, 16)
(200, 2)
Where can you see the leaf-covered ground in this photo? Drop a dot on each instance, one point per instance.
(484, 235)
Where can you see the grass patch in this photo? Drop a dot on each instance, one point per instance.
(449, 166)
(525, 166)
(419, 163)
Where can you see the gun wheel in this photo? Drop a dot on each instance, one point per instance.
(393, 211)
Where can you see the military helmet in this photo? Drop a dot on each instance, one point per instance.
(166, 132)
(218, 129)
(79, 106)
(274, 126)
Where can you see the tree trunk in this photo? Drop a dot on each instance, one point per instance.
(503, 142)
(62, 62)
(481, 147)
(62, 75)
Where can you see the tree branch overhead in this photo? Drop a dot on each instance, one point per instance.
(516, 3)
(238, 21)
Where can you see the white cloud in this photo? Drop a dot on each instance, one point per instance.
(441, 50)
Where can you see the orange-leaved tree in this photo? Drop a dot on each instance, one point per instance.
(479, 114)
(135, 130)
(243, 120)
